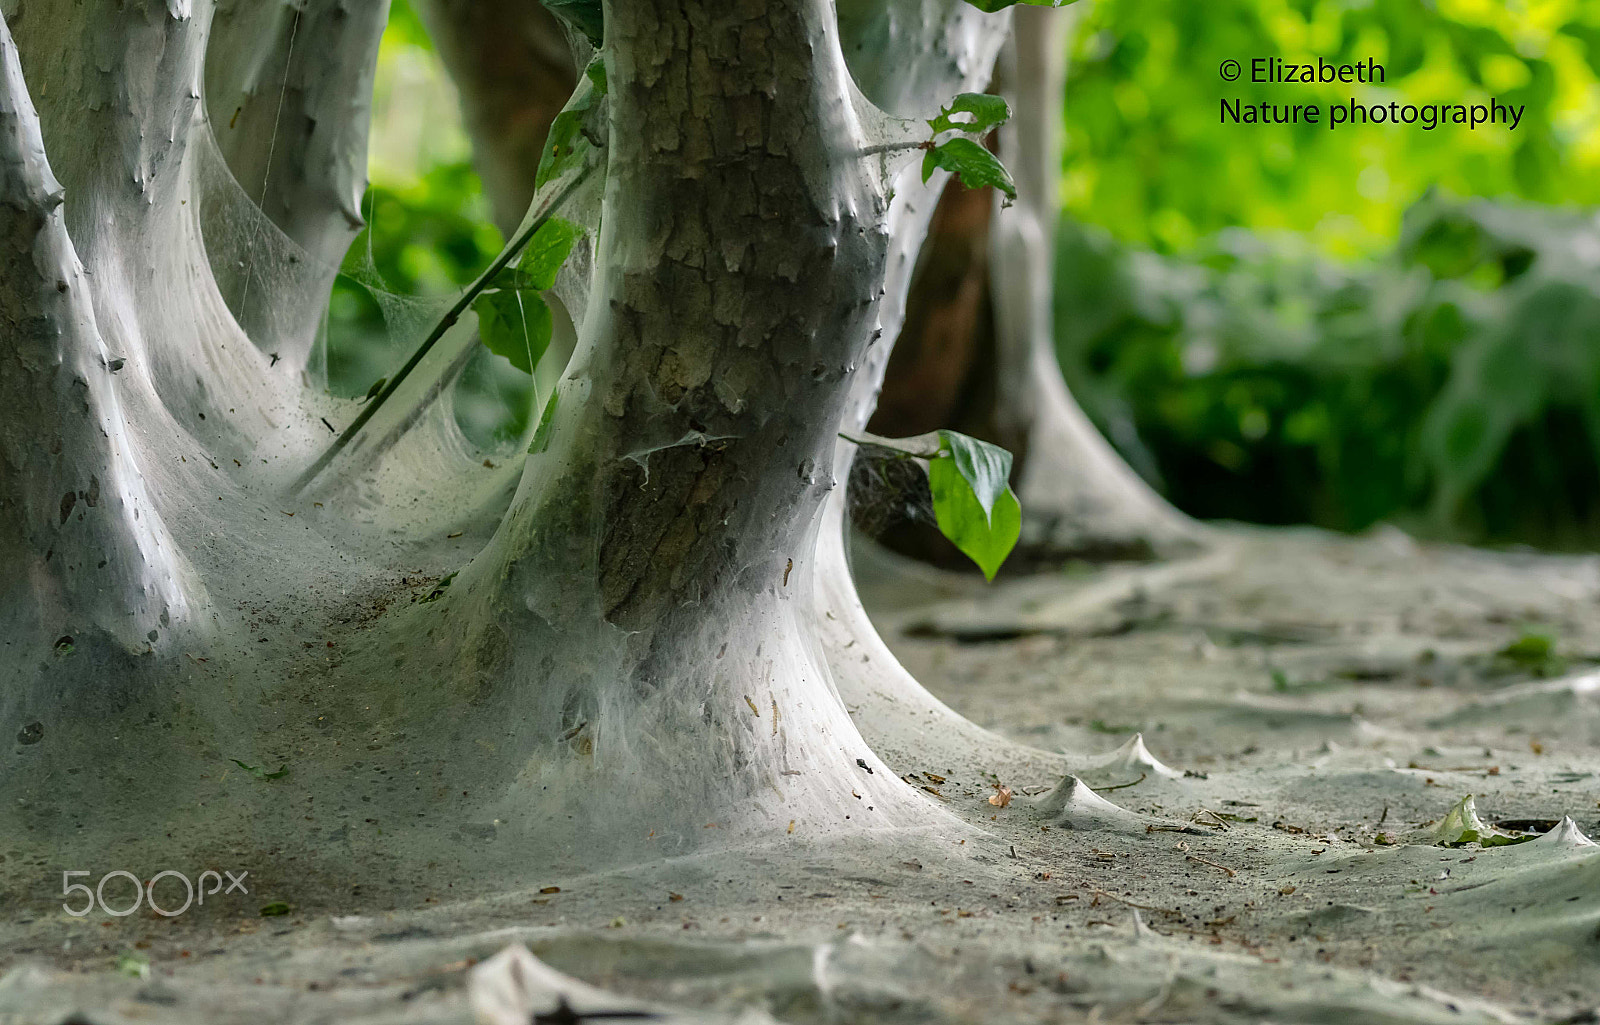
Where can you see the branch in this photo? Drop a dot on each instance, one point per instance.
(510, 253)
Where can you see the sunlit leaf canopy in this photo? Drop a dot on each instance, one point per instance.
(1148, 159)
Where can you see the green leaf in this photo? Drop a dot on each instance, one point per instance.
(515, 324)
(260, 773)
(546, 253)
(990, 6)
(974, 506)
(596, 71)
(970, 162)
(587, 16)
(576, 130)
(275, 909)
(986, 468)
(513, 321)
(987, 112)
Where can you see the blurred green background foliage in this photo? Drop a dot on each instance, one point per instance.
(1285, 323)
(428, 235)
(1278, 324)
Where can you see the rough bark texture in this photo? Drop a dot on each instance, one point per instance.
(653, 577)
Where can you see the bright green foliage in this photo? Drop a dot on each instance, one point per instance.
(546, 253)
(987, 112)
(1147, 156)
(975, 166)
(1000, 5)
(986, 468)
(972, 499)
(430, 237)
(1457, 377)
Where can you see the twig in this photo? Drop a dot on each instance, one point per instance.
(1218, 819)
(883, 445)
(1493, 770)
(501, 262)
(1134, 904)
(1203, 861)
(1123, 786)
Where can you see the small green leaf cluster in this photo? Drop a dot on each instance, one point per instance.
(968, 482)
(964, 157)
(513, 319)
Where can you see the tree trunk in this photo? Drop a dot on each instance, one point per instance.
(288, 91)
(651, 579)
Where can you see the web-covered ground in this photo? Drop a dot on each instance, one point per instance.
(1312, 710)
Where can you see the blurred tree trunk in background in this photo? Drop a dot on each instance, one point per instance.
(513, 67)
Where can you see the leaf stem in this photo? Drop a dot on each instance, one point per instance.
(510, 253)
(894, 147)
(884, 443)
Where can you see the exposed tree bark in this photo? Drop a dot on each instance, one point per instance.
(693, 441)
